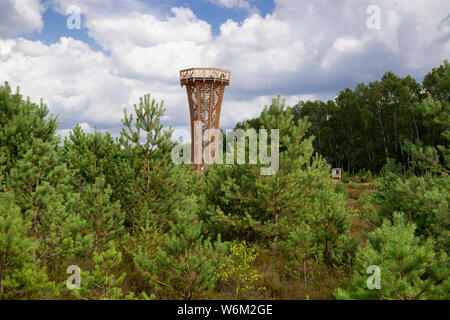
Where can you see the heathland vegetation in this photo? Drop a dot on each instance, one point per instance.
(140, 227)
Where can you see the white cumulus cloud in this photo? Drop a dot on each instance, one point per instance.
(241, 4)
(20, 16)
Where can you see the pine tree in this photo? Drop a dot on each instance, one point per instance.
(303, 252)
(185, 265)
(34, 174)
(231, 199)
(295, 155)
(409, 268)
(244, 203)
(157, 183)
(320, 234)
(40, 184)
(104, 219)
(92, 155)
(20, 276)
(423, 200)
(101, 283)
(21, 121)
(329, 222)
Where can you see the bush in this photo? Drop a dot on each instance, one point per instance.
(345, 178)
(363, 176)
(368, 200)
(340, 188)
(237, 270)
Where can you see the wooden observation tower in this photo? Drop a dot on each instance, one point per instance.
(205, 88)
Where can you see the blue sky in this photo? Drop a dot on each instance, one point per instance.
(54, 21)
(216, 15)
(54, 29)
(301, 49)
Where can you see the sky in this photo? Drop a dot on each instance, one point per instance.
(123, 49)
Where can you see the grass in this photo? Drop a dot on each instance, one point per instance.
(279, 284)
(359, 227)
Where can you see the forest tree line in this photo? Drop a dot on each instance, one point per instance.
(363, 127)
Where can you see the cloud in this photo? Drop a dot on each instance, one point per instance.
(147, 30)
(240, 4)
(74, 80)
(20, 17)
(303, 49)
(97, 8)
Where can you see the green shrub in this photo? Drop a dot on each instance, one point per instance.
(345, 178)
(237, 270)
(340, 188)
(368, 200)
(363, 176)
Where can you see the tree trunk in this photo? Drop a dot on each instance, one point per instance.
(36, 214)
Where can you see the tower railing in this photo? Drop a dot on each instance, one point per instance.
(205, 74)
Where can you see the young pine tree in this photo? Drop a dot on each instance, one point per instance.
(282, 191)
(329, 222)
(92, 155)
(104, 219)
(185, 265)
(410, 269)
(423, 200)
(157, 182)
(102, 283)
(21, 121)
(20, 276)
(40, 183)
(320, 234)
(303, 252)
(32, 171)
(249, 205)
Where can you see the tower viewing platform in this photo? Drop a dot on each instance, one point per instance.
(205, 75)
